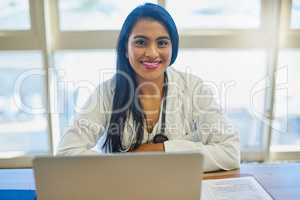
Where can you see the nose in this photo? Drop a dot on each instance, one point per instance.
(151, 51)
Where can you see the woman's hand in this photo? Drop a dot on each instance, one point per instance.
(150, 148)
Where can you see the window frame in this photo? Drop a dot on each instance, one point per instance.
(273, 34)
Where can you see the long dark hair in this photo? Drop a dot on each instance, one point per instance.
(125, 100)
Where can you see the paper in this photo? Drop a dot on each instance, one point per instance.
(16, 179)
(242, 188)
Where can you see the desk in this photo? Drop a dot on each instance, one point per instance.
(282, 181)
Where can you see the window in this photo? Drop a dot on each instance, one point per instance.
(23, 122)
(231, 44)
(14, 15)
(286, 128)
(94, 14)
(78, 74)
(217, 14)
(295, 17)
(232, 75)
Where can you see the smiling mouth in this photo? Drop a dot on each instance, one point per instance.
(151, 65)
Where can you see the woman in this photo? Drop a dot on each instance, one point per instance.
(148, 106)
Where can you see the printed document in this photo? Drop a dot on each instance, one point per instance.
(241, 188)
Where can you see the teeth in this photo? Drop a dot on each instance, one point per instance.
(151, 62)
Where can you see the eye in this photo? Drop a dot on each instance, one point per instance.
(163, 43)
(140, 42)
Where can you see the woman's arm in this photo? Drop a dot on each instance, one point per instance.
(219, 141)
(150, 148)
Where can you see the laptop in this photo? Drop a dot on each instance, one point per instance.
(134, 176)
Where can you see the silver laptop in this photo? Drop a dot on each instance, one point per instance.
(134, 176)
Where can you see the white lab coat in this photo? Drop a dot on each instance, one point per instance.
(194, 122)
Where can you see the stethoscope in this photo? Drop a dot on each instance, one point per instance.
(161, 137)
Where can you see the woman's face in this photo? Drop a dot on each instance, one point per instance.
(149, 50)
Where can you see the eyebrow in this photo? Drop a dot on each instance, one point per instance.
(159, 38)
